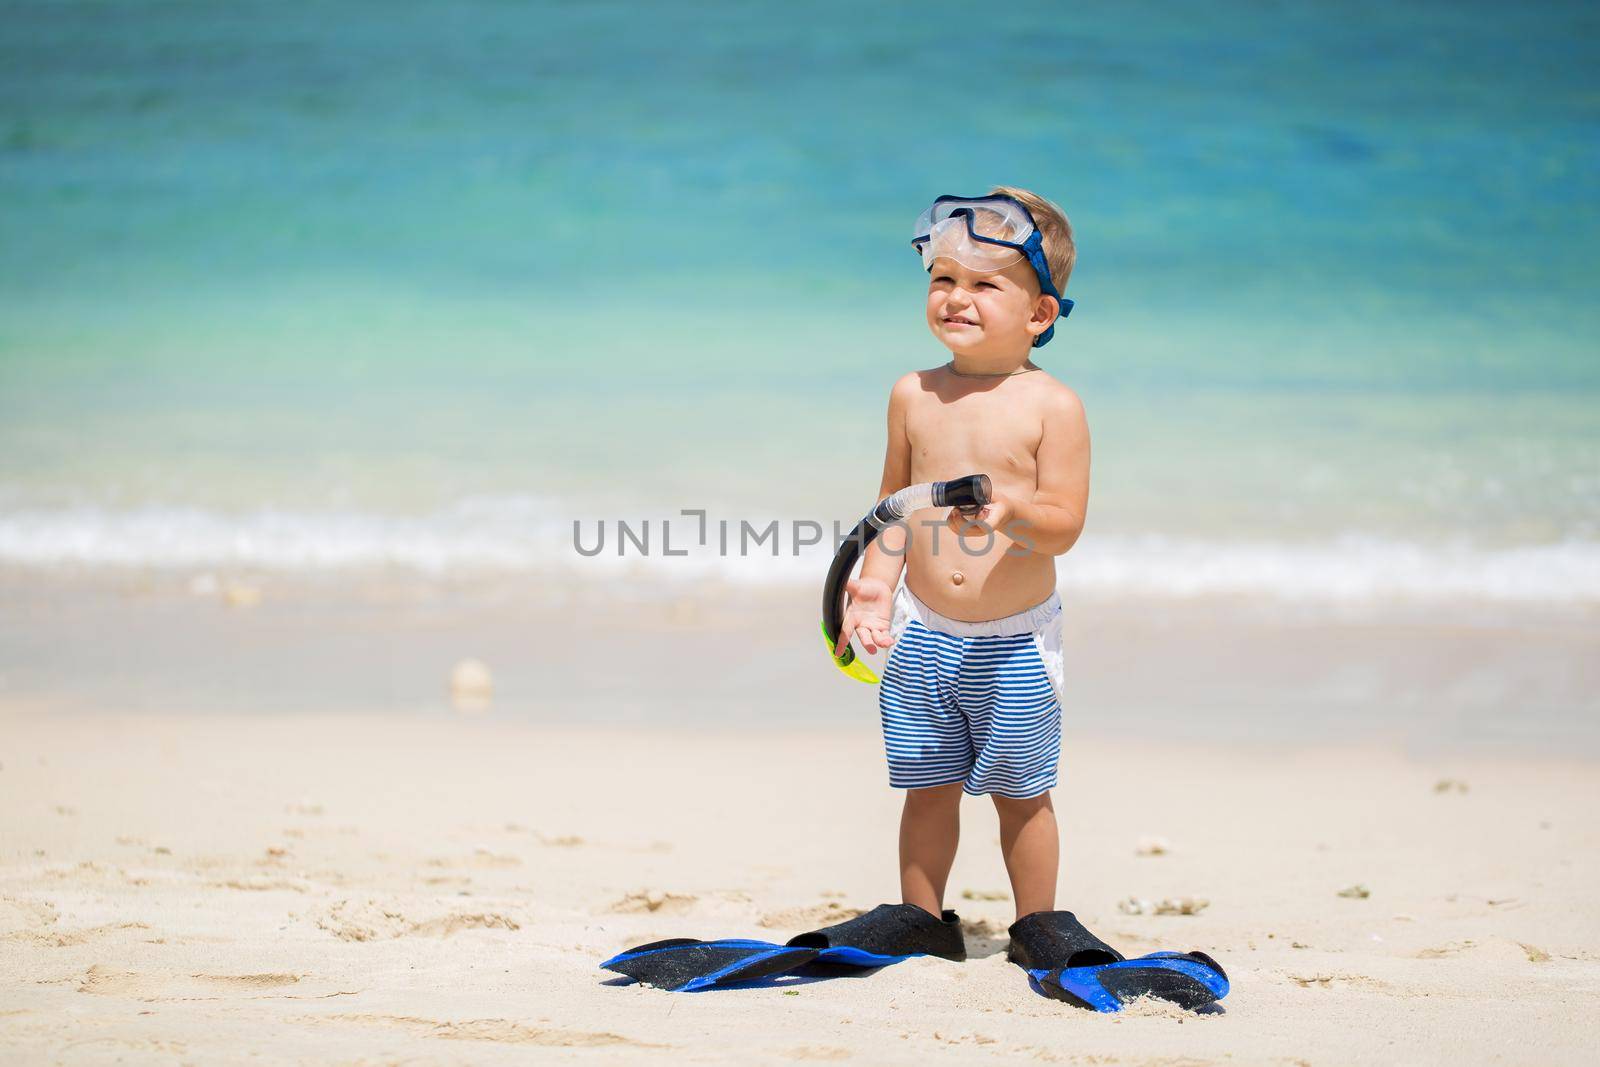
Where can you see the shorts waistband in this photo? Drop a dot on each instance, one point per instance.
(1023, 622)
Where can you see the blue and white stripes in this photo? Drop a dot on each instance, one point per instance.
(978, 709)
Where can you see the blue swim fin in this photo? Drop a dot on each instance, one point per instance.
(1066, 962)
(684, 964)
(887, 934)
(1190, 980)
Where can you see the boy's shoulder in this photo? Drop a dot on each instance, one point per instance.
(1056, 395)
(908, 385)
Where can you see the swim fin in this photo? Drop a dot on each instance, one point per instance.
(684, 964)
(1190, 980)
(887, 934)
(1066, 962)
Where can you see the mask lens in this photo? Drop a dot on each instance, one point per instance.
(1001, 225)
(949, 226)
(952, 240)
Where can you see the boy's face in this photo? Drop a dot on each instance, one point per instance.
(986, 312)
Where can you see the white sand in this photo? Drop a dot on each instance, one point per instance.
(360, 890)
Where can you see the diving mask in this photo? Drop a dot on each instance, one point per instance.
(986, 233)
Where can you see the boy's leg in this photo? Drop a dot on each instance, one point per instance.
(1010, 699)
(925, 739)
(1031, 845)
(930, 828)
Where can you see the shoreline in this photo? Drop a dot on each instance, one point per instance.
(1230, 670)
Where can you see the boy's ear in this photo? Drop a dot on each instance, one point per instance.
(1044, 314)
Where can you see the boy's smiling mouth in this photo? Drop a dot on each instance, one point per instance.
(958, 320)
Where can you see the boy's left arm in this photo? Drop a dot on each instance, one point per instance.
(1051, 522)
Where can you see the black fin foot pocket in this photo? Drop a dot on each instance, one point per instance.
(887, 934)
(1050, 940)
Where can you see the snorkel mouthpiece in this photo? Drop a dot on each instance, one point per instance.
(973, 491)
(966, 494)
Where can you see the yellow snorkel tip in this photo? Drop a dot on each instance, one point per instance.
(849, 663)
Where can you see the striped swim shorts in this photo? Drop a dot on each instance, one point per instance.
(973, 702)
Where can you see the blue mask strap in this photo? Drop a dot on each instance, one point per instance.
(1034, 250)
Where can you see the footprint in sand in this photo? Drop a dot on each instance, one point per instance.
(481, 859)
(147, 1046)
(985, 937)
(103, 981)
(560, 840)
(247, 981)
(818, 1054)
(502, 1031)
(64, 938)
(1493, 948)
(810, 917)
(964, 1039)
(550, 840)
(1454, 948)
(654, 900)
(36, 922)
(22, 918)
(262, 884)
(371, 921)
(1337, 981)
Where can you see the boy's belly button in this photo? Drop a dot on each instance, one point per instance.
(956, 577)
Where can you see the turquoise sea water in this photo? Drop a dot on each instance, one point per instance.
(356, 284)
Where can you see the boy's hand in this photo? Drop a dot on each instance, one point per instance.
(867, 615)
(995, 515)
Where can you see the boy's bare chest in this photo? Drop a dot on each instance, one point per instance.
(983, 434)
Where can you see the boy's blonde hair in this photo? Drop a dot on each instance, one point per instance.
(1059, 250)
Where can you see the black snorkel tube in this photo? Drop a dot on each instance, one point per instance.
(966, 494)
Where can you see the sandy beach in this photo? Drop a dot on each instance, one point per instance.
(425, 431)
(346, 888)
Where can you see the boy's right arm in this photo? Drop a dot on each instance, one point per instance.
(871, 606)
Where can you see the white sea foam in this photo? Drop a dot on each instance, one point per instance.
(518, 535)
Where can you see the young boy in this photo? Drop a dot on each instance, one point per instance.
(970, 694)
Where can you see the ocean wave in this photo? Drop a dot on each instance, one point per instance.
(523, 536)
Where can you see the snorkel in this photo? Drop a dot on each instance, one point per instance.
(966, 494)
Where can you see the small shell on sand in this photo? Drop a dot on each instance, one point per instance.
(1152, 845)
(1356, 892)
(1450, 785)
(471, 685)
(238, 595)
